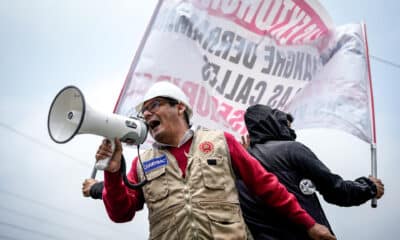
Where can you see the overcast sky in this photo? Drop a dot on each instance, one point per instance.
(46, 45)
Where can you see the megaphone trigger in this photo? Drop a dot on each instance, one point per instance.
(103, 163)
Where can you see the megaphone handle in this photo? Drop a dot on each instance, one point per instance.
(103, 164)
(94, 172)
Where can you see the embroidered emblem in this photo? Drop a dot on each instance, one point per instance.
(307, 187)
(155, 163)
(206, 147)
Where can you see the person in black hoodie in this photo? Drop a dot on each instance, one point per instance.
(272, 142)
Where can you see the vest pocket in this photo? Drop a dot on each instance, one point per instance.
(164, 228)
(225, 220)
(213, 172)
(157, 186)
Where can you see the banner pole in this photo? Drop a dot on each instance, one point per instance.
(374, 163)
(374, 171)
(138, 53)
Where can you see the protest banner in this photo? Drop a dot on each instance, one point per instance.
(227, 55)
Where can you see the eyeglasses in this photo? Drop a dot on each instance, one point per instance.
(152, 107)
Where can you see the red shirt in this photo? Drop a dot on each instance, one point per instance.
(121, 202)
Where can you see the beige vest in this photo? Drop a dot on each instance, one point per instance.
(204, 204)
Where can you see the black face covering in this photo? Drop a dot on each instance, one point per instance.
(292, 134)
(283, 119)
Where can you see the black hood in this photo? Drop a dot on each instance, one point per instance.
(265, 124)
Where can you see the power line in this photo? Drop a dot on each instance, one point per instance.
(65, 212)
(7, 237)
(42, 144)
(32, 231)
(393, 64)
(42, 220)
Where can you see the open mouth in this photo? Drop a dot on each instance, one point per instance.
(154, 123)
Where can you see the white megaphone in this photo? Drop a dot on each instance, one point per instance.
(69, 115)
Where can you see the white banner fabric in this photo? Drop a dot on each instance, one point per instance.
(229, 54)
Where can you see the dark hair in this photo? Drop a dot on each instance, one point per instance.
(171, 101)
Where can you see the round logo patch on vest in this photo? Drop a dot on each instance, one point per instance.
(206, 147)
(307, 187)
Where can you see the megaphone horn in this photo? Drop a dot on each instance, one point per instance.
(69, 115)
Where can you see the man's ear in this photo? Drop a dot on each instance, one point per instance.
(181, 108)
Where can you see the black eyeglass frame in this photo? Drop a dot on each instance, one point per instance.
(156, 104)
